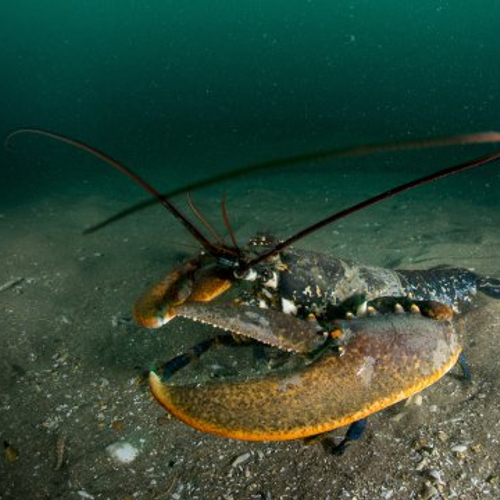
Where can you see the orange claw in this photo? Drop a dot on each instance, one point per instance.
(156, 307)
(208, 286)
(386, 360)
(189, 282)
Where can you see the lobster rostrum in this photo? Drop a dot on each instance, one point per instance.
(369, 337)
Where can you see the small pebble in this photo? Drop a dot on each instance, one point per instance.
(241, 459)
(118, 425)
(164, 419)
(442, 436)
(429, 492)
(459, 448)
(417, 400)
(422, 464)
(492, 479)
(84, 494)
(387, 494)
(11, 453)
(435, 475)
(122, 452)
(399, 416)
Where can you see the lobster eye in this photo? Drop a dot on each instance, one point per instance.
(266, 275)
(270, 279)
(247, 274)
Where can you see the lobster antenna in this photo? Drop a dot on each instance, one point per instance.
(446, 172)
(322, 155)
(225, 217)
(132, 175)
(184, 245)
(204, 220)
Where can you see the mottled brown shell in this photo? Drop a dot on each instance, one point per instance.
(270, 327)
(386, 360)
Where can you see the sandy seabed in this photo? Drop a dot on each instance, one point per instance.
(71, 356)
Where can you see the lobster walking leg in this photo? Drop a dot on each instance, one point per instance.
(168, 369)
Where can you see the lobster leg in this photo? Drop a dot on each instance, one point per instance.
(354, 432)
(174, 365)
(428, 308)
(464, 366)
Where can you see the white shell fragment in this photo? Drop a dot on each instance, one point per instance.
(122, 452)
(288, 307)
(84, 494)
(241, 459)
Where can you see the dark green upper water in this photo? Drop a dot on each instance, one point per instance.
(205, 85)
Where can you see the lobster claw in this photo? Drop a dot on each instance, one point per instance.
(386, 359)
(268, 326)
(192, 281)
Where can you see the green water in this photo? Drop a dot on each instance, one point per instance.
(183, 89)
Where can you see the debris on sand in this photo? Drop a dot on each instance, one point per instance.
(11, 453)
(122, 452)
(10, 284)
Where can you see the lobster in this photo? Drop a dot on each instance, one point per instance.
(367, 337)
